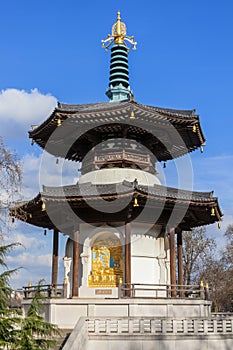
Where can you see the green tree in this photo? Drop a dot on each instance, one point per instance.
(16, 332)
(9, 320)
(10, 181)
(35, 332)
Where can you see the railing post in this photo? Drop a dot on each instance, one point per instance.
(97, 327)
(202, 292)
(120, 289)
(25, 292)
(55, 256)
(141, 325)
(180, 261)
(195, 326)
(131, 326)
(54, 290)
(153, 327)
(108, 329)
(49, 290)
(224, 326)
(75, 264)
(133, 291)
(164, 326)
(119, 326)
(215, 326)
(185, 326)
(65, 291)
(174, 328)
(29, 288)
(173, 262)
(205, 326)
(128, 258)
(207, 292)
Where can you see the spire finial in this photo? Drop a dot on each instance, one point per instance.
(119, 88)
(118, 30)
(118, 35)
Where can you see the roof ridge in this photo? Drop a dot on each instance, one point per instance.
(171, 111)
(155, 189)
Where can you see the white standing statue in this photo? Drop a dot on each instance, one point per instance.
(67, 265)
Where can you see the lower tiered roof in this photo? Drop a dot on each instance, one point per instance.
(61, 206)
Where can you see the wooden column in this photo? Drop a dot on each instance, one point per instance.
(55, 257)
(128, 257)
(180, 259)
(173, 262)
(75, 264)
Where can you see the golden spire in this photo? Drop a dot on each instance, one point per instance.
(118, 35)
(119, 30)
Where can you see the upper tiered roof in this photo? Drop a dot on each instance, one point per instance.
(167, 133)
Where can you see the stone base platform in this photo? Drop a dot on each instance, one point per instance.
(66, 312)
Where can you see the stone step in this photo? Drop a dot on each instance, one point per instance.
(64, 335)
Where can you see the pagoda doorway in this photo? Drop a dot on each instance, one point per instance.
(106, 261)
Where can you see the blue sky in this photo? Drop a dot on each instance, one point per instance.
(51, 50)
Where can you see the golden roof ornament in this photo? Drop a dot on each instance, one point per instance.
(118, 35)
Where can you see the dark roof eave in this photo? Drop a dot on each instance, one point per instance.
(156, 192)
(37, 217)
(76, 109)
(125, 187)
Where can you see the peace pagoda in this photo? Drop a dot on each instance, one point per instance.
(123, 255)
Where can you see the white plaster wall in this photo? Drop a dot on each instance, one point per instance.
(143, 270)
(117, 175)
(148, 260)
(149, 252)
(145, 246)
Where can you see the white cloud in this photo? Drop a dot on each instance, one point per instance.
(34, 256)
(43, 170)
(26, 241)
(19, 109)
(33, 268)
(22, 106)
(24, 276)
(26, 258)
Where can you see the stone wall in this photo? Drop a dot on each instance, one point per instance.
(66, 312)
(152, 333)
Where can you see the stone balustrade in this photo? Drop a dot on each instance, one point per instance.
(157, 326)
(146, 333)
